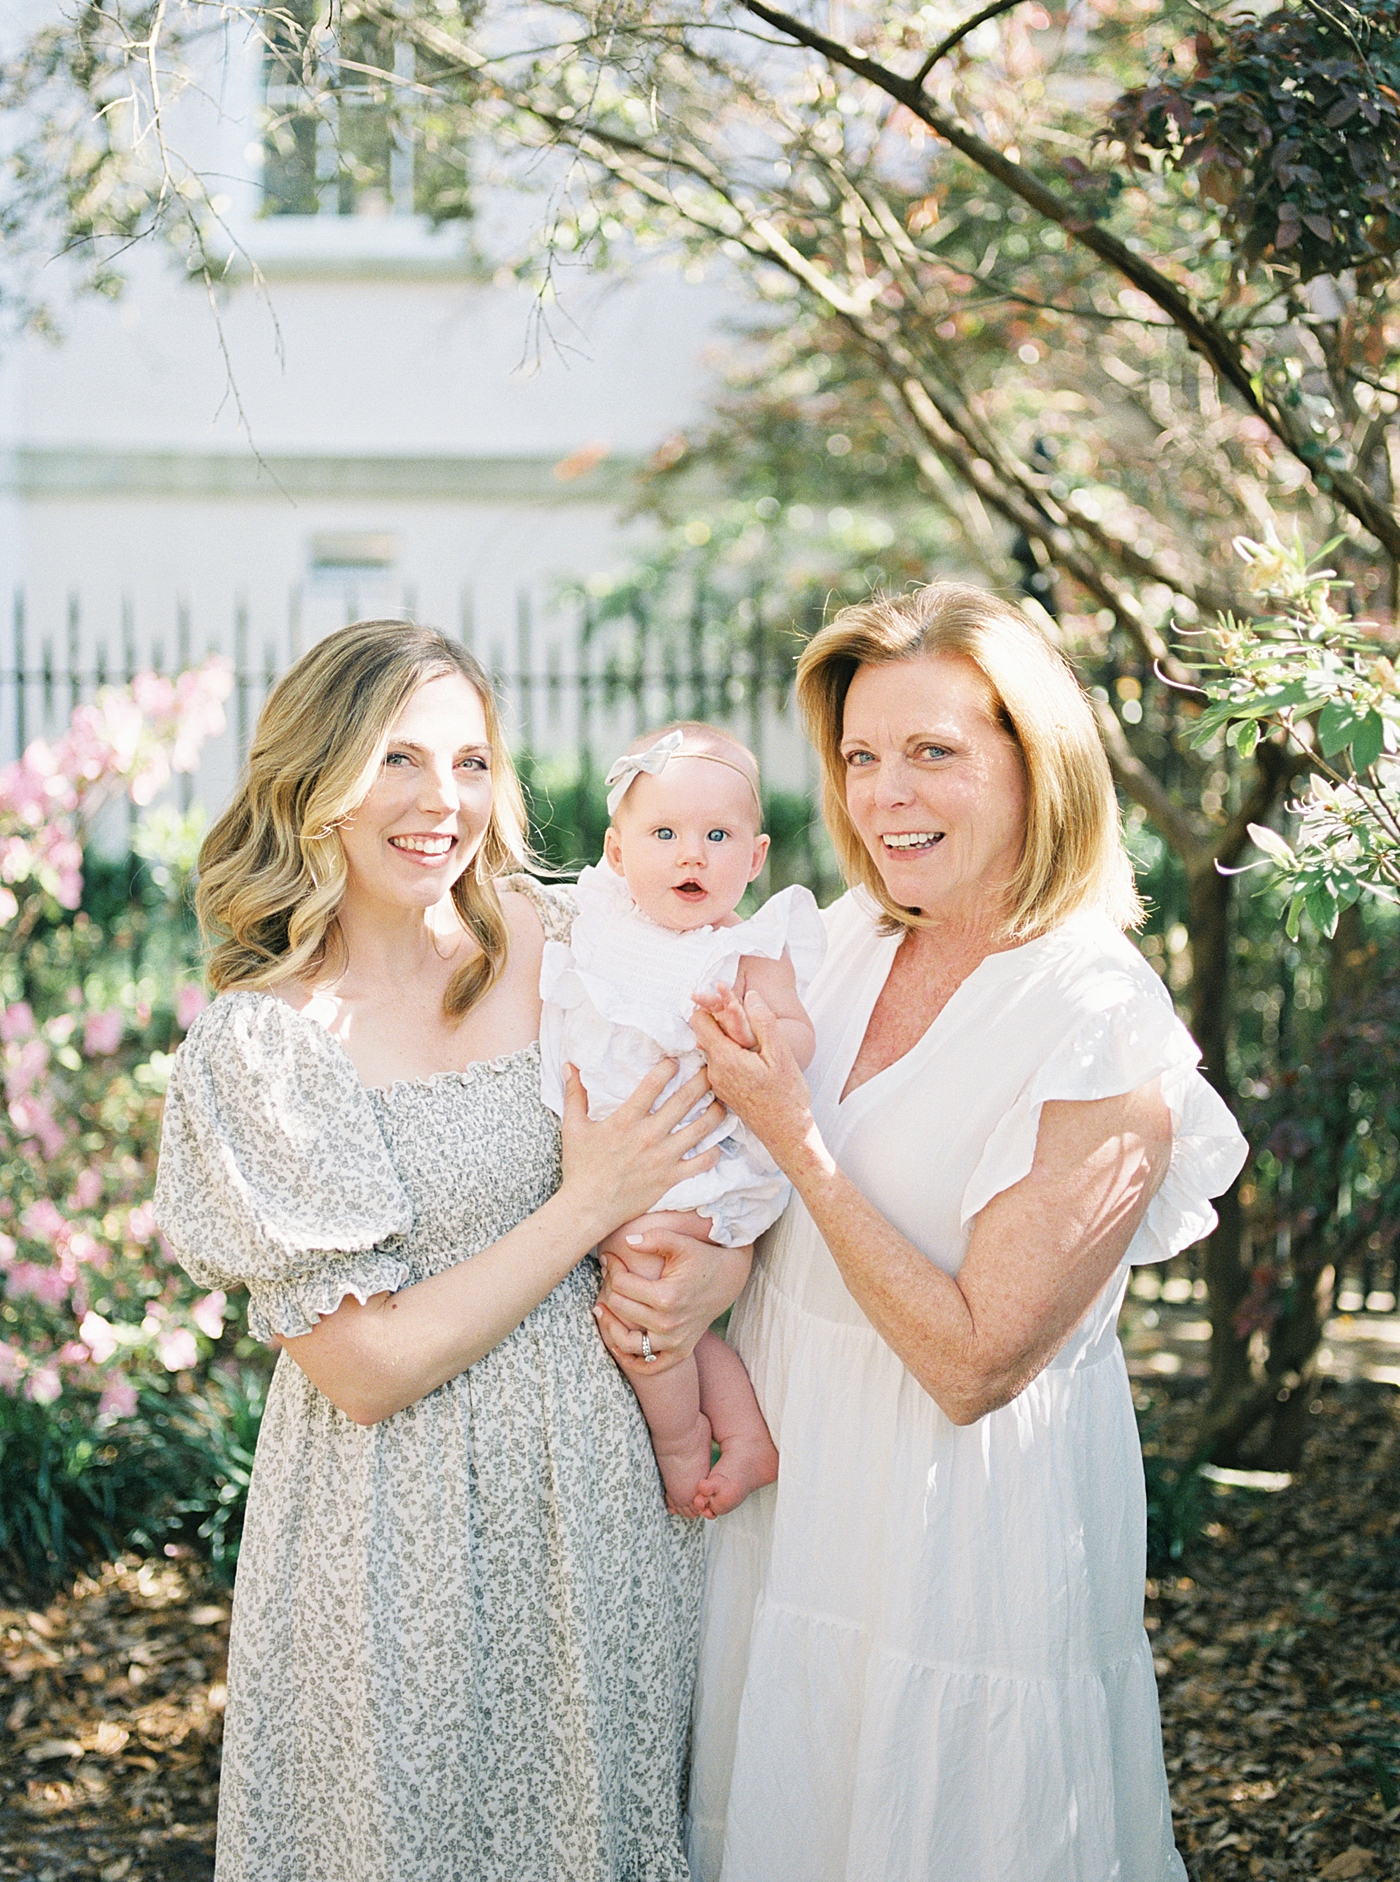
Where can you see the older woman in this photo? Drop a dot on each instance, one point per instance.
(463, 1635)
(923, 1657)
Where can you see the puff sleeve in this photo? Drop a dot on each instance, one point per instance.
(274, 1174)
(1125, 1033)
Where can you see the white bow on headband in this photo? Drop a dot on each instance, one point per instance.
(655, 759)
(630, 764)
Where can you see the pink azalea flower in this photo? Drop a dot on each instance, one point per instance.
(11, 1367)
(98, 1338)
(208, 1314)
(103, 1031)
(16, 1022)
(26, 1067)
(87, 1191)
(176, 1349)
(190, 1002)
(32, 1118)
(86, 1248)
(141, 1223)
(43, 1386)
(118, 1399)
(49, 1285)
(44, 1220)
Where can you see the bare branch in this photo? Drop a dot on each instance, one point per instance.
(956, 37)
(1138, 783)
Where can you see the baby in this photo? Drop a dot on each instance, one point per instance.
(656, 925)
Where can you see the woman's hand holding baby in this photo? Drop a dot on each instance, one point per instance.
(756, 1076)
(617, 1167)
(698, 1280)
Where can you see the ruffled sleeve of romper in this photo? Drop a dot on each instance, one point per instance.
(274, 1174)
(1118, 1030)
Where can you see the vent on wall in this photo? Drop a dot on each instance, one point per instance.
(353, 552)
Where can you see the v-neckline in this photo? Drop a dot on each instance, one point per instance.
(846, 1099)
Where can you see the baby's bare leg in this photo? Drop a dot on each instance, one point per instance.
(670, 1400)
(748, 1457)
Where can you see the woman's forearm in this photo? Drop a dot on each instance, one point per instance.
(373, 1360)
(1039, 1253)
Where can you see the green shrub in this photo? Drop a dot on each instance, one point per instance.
(77, 1489)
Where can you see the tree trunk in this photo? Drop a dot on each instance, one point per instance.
(1211, 897)
(1256, 1417)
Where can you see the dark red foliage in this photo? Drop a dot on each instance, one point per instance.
(1292, 124)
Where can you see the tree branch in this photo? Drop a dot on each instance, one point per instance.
(1275, 769)
(1138, 783)
(1200, 331)
(956, 37)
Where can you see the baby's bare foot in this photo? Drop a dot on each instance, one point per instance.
(745, 1465)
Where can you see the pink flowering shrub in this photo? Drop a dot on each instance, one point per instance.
(93, 1002)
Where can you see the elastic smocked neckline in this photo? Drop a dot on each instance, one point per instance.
(501, 1063)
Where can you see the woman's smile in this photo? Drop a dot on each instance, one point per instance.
(907, 840)
(433, 848)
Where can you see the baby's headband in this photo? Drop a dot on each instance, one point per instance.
(655, 759)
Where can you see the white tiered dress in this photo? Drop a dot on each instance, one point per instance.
(923, 1656)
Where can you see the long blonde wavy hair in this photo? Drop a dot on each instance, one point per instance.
(1073, 856)
(272, 870)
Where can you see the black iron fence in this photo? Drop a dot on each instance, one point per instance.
(571, 682)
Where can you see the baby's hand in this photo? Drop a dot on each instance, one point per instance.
(725, 1010)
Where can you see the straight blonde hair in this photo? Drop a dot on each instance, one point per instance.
(1073, 857)
(272, 870)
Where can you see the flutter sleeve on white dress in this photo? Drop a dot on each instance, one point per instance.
(1125, 1035)
(274, 1174)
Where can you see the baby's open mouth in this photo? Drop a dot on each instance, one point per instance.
(907, 841)
(691, 891)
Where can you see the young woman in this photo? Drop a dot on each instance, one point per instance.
(463, 1636)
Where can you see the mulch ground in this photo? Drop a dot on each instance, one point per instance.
(1277, 1639)
(111, 1698)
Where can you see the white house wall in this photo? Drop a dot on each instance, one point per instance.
(389, 390)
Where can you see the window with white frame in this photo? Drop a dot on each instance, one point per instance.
(356, 122)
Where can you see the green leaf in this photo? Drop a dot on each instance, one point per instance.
(1337, 726)
(1247, 737)
(1322, 906)
(1368, 741)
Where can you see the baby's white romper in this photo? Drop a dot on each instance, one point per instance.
(619, 996)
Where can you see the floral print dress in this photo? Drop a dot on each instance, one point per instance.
(463, 1638)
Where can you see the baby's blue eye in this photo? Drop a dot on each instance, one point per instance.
(716, 836)
(664, 835)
